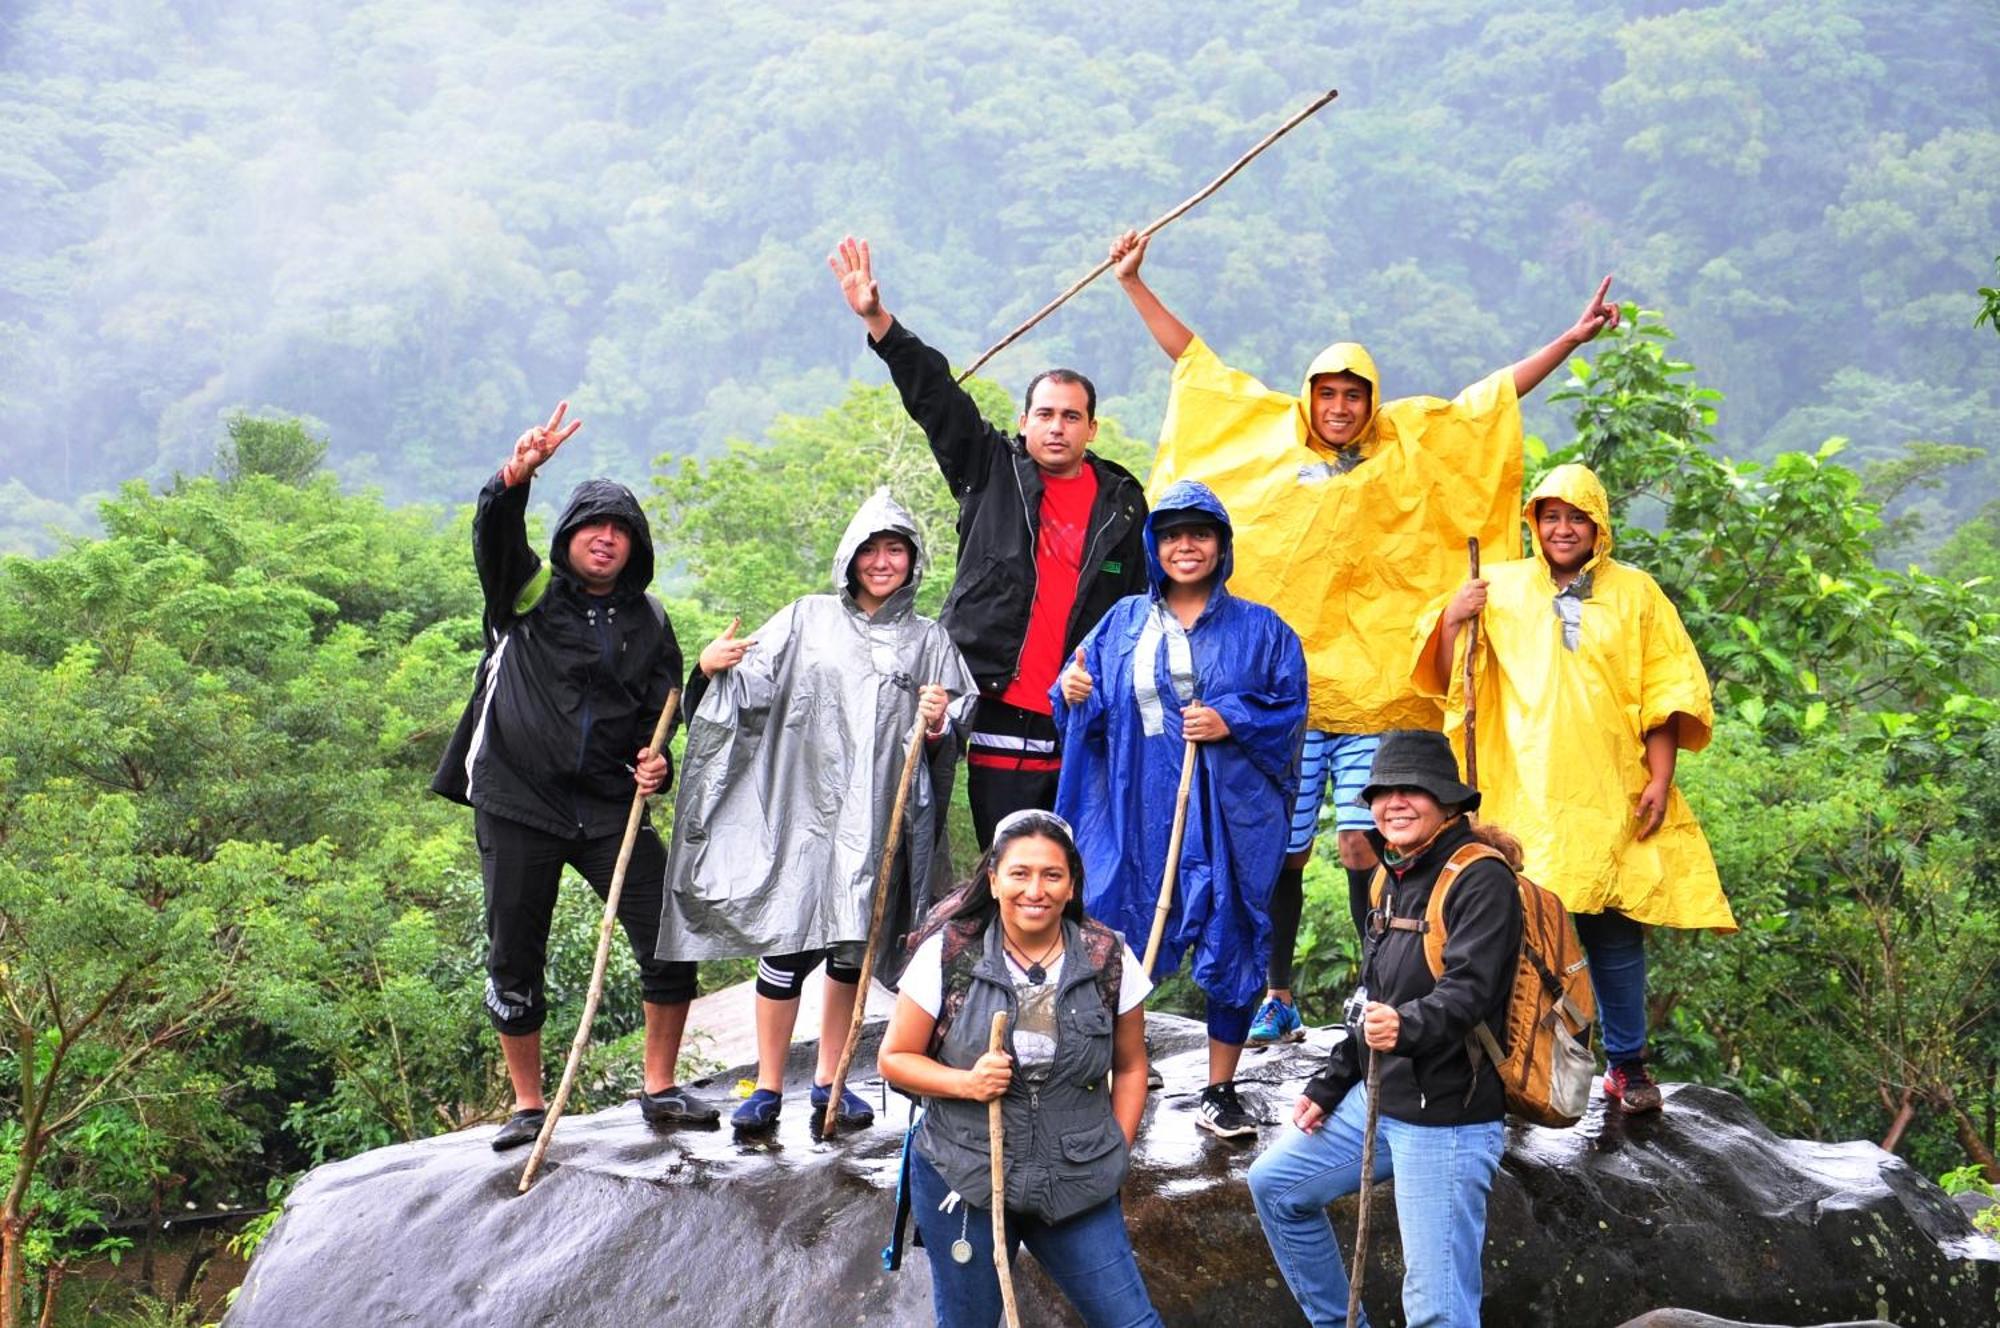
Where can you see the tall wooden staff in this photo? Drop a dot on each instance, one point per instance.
(1374, 1066)
(582, 1039)
(1166, 904)
(1471, 698)
(995, 1132)
(884, 870)
(1147, 233)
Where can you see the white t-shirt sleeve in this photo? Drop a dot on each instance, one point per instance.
(1133, 984)
(923, 977)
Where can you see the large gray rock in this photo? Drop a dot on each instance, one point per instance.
(1700, 1207)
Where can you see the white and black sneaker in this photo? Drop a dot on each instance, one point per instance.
(1222, 1114)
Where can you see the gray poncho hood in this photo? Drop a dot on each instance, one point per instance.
(790, 773)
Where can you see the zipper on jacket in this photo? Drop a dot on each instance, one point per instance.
(1034, 571)
(1083, 568)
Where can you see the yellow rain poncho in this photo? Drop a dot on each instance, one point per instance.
(1347, 559)
(1562, 755)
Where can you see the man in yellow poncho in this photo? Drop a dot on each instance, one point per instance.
(1352, 513)
(1587, 685)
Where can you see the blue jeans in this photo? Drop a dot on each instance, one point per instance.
(1616, 948)
(1089, 1256)
(1443, 1175)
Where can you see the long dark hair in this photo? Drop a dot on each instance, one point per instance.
(975, 898)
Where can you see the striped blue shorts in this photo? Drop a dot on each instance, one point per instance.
(1339, 759)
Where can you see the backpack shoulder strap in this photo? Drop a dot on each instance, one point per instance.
(532, 590)
(1434, 930)
(1103, 946)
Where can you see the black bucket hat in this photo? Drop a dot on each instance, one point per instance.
(1418, 759)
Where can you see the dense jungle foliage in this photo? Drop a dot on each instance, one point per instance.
(418, 224)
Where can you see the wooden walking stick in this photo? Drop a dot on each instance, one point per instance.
(1367, 1186)
(994, 1132)
(1374, 1063)
(883, 872)
(1166, 904)
(1147, 233)
(1471, 700)
(582, 1039)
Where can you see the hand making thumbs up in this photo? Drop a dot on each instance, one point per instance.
(725, 652)
(1076, 683)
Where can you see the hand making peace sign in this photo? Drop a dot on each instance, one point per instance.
(537, 445)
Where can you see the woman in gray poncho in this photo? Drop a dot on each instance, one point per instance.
(795, 745)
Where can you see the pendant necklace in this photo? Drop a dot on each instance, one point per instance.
(1037, 974)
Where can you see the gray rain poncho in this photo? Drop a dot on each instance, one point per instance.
(791, 768)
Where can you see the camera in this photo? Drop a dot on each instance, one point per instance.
(1351, 1010)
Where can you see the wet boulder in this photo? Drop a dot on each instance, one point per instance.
(1700, 1207)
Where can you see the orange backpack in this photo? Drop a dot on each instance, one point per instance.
(1547, 1067)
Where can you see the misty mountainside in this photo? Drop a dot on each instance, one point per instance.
(421, 224)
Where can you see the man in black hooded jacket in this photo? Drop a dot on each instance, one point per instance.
(578, 665)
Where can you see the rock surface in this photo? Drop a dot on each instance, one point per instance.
(1700, 1207)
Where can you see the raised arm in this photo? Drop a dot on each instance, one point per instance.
(500, 548)
(1128, 252)
(1596, 316)
(960, 437)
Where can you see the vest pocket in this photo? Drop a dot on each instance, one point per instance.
(1090, 1144)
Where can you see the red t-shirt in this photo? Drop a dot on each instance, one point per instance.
(1059, 544)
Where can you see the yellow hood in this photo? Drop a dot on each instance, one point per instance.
(1342, 357)
(1577, 485)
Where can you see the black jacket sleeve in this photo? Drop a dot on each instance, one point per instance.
(965, 445)
(500, 549)
(1482, 919)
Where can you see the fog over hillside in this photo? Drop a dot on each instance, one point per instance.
(420, 224)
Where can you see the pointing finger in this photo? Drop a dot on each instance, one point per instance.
(1602, 288)
(555, 420)
(734, 623)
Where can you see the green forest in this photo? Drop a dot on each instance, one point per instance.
(281, 285)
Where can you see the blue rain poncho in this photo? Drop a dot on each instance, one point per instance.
(1122, 762)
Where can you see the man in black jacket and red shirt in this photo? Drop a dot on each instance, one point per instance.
(1049, 537)
(579, 661)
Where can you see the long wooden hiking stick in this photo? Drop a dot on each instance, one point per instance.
(995, 1131)
(1471, 699)
(582, 1039)
(1374, 1065)
(1166, 904)
(884, 870)
(1105, 266)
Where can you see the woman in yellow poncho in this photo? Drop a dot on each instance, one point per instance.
(1588, 685)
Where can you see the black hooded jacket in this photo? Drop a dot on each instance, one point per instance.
(1428, 1079)
(571, 683)
(999, 492)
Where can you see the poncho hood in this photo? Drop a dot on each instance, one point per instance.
(1577, 485)
(1343, 357)
(1189, 496)
(597, 500)
(880, 514)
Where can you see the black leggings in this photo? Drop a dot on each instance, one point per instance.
(783, 977)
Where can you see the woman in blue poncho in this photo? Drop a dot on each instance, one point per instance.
(1188, 661)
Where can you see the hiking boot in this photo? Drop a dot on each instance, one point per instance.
(1632, 1088)
(1276, 1021)
(759, 1112)
(676, 1106)
(1222, 1114)
(854, 1114)
(521, 1128)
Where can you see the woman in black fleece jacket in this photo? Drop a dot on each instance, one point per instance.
(1441, 1109)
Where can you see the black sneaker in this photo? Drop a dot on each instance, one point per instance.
(521, 1128)
(1222, 1114)
(676, 1106)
